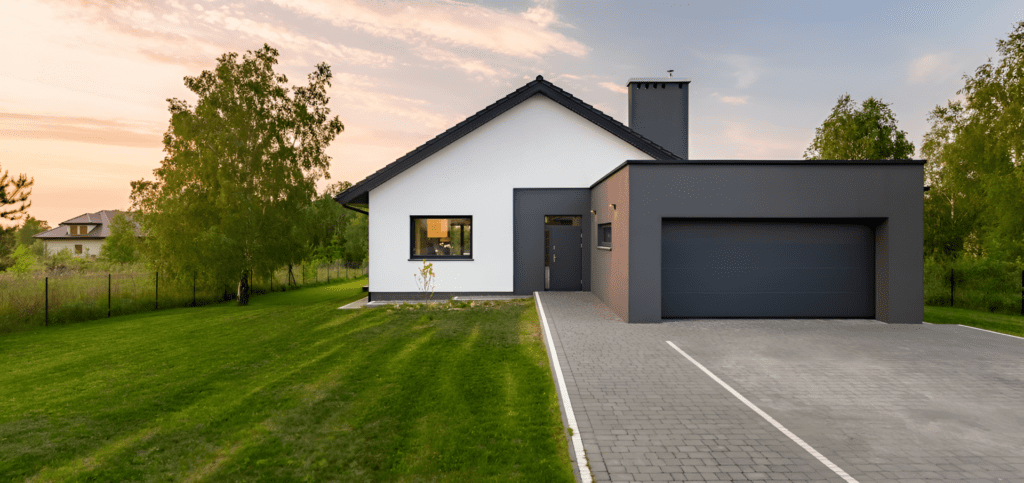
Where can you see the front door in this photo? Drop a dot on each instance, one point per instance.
(563, 253)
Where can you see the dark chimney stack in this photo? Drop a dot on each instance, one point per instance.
(659, 110)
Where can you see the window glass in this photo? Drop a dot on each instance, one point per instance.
(442, 237)
(78, 249)
(604, 235)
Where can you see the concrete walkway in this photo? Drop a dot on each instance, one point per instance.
(839, 400)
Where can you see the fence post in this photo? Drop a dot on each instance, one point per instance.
(156, 299)
(952, 286)
(108, 295)
(46, 318)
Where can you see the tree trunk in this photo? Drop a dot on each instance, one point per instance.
(291, 276)
(243, 289)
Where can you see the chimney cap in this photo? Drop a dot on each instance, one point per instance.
(678, 80)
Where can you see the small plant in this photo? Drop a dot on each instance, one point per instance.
(24, 261)
(426, 280)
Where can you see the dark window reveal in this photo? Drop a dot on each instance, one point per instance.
(604, 235)
(442, 237)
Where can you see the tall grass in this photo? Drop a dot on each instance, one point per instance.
(83, 296)
(980, 284)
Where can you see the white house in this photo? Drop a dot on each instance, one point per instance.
(541, 191)
(82, 235)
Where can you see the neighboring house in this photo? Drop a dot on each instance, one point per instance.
(82, 235)
(541, 191)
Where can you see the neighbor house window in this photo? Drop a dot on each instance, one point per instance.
(78, 249)
(442, 237)
(604, 235)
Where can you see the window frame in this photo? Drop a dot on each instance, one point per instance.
(412, 239)
(78, 249)
(601, 243)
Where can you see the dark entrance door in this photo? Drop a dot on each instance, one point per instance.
(563, 253)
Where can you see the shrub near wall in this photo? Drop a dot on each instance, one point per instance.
(980, 284)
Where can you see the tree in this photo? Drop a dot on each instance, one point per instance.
(866, 133)
(24, 261)
(12, 192)
(122, 244)
(29, 228)
(240, 167)
(8, 242)
(976, 151)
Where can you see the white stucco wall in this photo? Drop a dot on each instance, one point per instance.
(537, 144)
(93, 246)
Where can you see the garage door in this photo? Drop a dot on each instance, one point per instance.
(767, 269)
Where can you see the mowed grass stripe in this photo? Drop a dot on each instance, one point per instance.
(289, 388)
(1006, 324)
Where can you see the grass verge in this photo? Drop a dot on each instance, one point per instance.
(286, 389)
(1006, 324)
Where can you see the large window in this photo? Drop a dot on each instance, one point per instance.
(442, 237)
(604, 235)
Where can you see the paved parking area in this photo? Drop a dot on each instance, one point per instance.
(882, 402)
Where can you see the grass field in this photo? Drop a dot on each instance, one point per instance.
(1006, 324)
(286, 389)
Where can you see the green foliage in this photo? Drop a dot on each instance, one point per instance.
(357, 238)
(983, 284)
(24, 261)
(29, 228)
(240, 169)
(866, 133)
(14, 191)
(976, 154)
(122, 244)
(8, 240)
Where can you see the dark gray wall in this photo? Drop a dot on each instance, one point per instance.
(888, 192)
(530, 205)
(610, 273)
(660, 111)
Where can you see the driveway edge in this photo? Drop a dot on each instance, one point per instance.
(582, 466)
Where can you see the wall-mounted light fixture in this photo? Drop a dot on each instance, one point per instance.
(593, 212)
(613, 206)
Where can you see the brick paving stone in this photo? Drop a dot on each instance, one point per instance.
(884, 402)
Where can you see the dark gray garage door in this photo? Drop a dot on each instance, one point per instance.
(767, 269)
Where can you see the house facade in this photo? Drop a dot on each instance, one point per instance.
(540, 191)
(82, 236)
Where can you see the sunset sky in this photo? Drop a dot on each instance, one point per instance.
(83, 84)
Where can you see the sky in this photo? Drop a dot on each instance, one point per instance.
(84, 84)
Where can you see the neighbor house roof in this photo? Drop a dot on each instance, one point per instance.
(101, 219)
(359, 192)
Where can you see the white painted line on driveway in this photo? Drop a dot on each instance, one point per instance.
(832, 466)
(990, 331)
(577, 441)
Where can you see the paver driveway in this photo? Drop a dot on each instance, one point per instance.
(881, 402)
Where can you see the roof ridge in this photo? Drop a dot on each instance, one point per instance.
(498, 107)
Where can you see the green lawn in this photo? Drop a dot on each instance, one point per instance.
(1007, 324)
(286, 389)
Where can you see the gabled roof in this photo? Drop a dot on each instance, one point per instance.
(359, 192)
(101, 218)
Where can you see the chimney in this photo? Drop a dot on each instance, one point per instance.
(659, 110)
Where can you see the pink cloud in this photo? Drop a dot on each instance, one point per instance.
(526, 35)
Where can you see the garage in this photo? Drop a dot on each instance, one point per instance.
(767, 268)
